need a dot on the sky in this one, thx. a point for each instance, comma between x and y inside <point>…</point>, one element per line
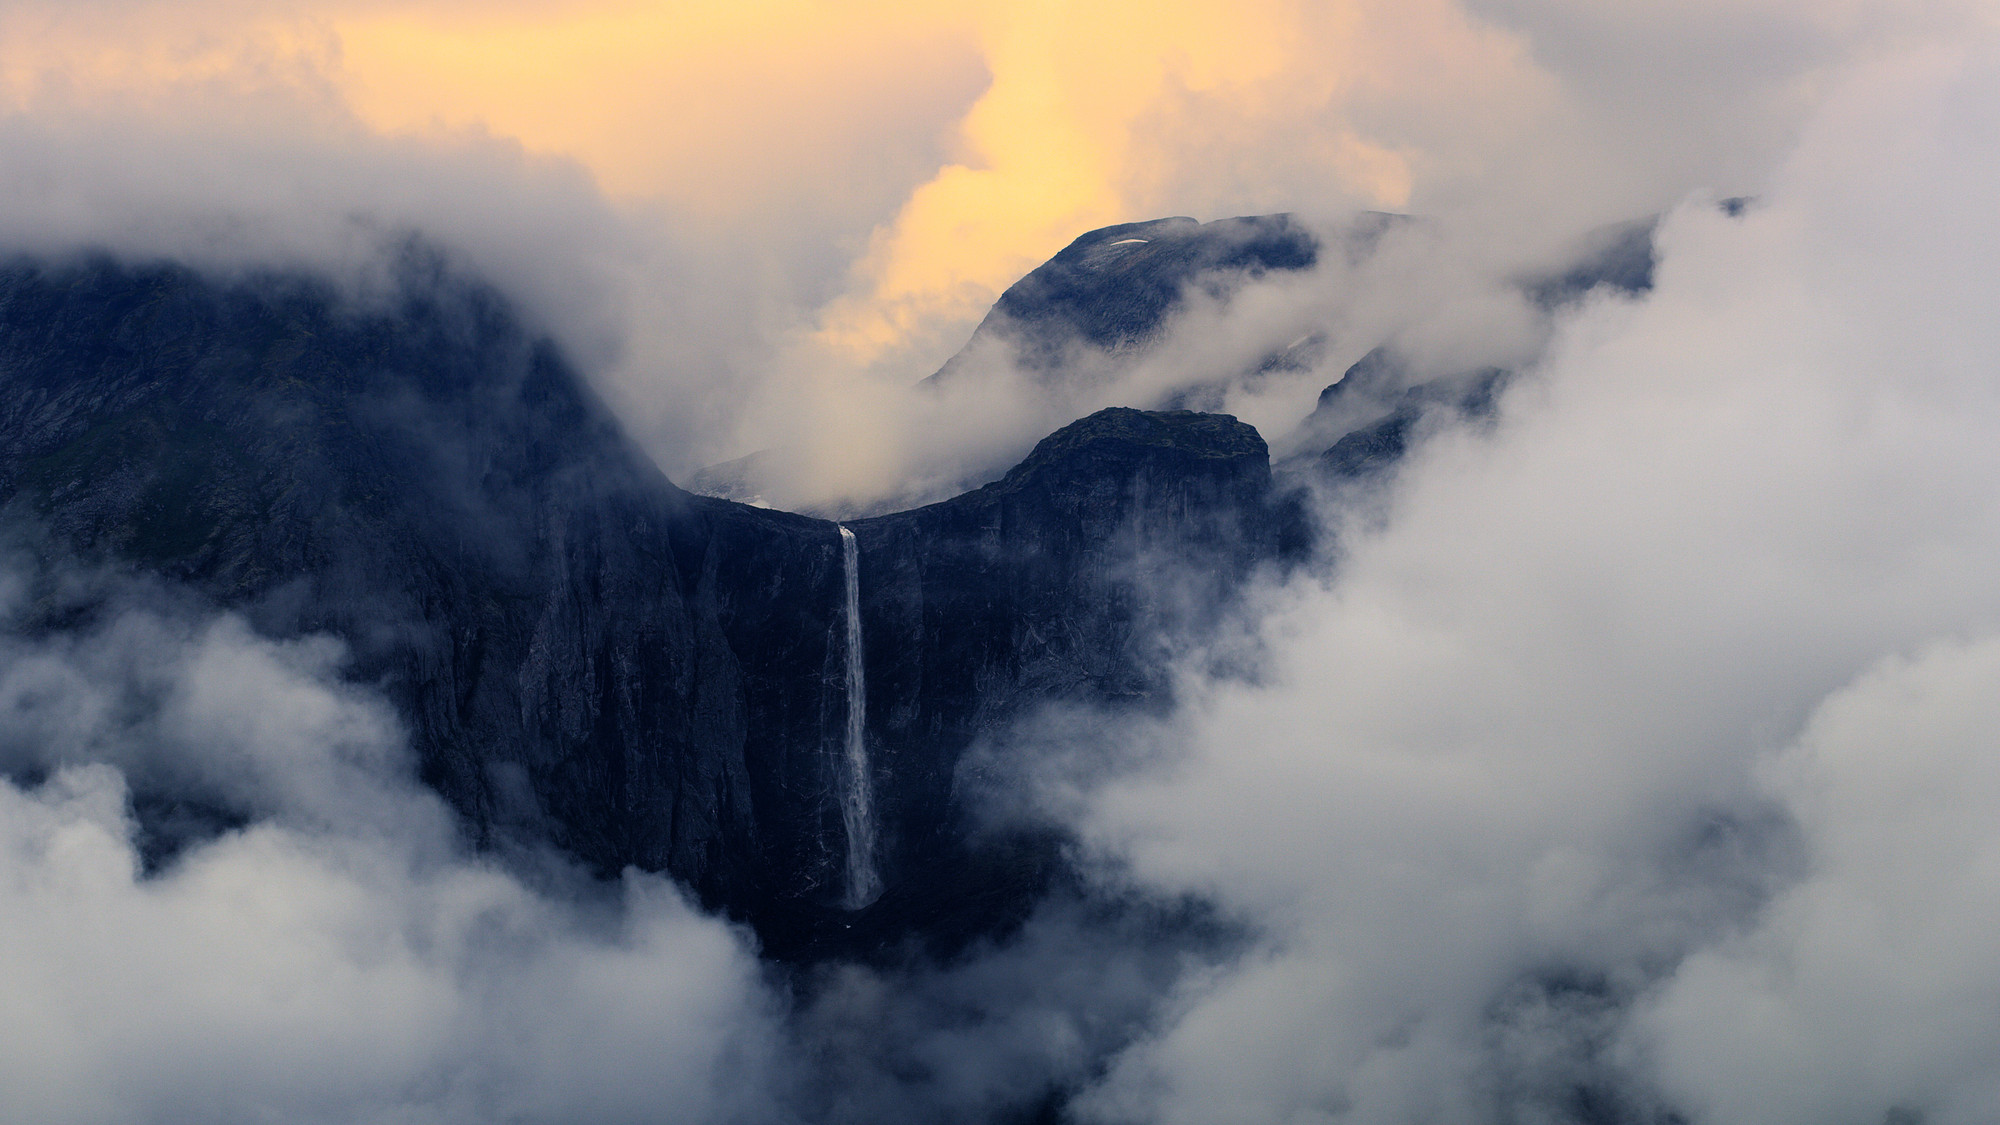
<point>1636,748</point>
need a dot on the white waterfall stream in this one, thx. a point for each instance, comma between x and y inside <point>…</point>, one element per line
<point>857,813</point>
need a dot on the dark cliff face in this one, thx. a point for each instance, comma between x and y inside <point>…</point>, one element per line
<point>1062,582</point>
<point>585,655</point>
<point>1065,581</point>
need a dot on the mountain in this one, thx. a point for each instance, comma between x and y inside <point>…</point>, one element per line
<point>585,655</point>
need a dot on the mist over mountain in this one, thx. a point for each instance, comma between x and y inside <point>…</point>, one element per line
<point>1499,630</point>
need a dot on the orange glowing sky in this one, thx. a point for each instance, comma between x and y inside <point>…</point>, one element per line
<point>710,103</point>
<point>986,132</point>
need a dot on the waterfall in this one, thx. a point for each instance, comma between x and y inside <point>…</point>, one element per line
<point>857,812</point>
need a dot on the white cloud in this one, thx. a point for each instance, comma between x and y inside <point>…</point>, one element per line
<point>1500,777</point>
<point>1516,736</point>
<point>1868,987</point>
<point>341,957</point>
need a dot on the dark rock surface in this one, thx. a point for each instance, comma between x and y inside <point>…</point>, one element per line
<point>584,654</point>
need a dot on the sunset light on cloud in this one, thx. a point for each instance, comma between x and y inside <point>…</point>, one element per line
<point>1041,109</point>
<point>875,173</point>
<point>978,137</point>
<point>703,103</point>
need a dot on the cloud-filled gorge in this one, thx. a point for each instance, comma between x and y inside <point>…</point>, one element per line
<point>1625,753</point>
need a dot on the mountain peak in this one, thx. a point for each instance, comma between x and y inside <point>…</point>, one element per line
<point>1115,287</point>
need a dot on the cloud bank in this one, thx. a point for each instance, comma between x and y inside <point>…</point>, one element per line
<point>1524,792</point>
